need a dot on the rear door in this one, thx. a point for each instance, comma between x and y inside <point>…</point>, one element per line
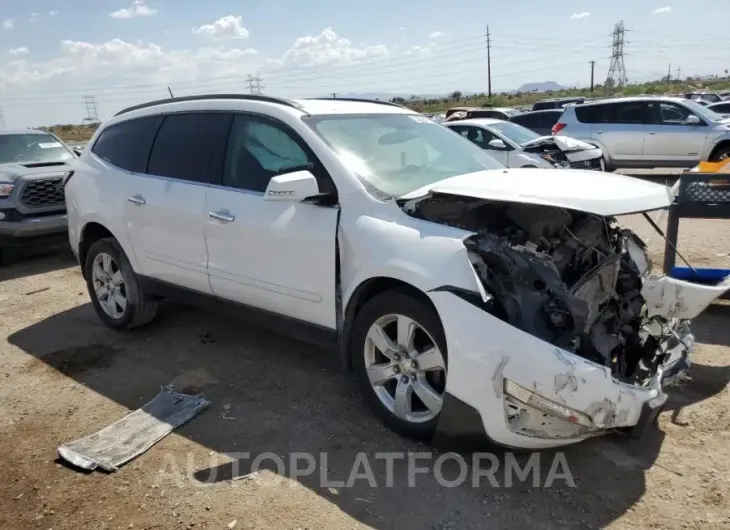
<point>165,210</point>
<point>620,128</point>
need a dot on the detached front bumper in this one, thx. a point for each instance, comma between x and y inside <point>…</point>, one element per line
<point>520,392</point>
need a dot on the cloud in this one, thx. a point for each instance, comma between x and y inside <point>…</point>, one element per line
<point>117,62</point>
<point>437,34</point>
<point>22,50</point>
<point>8,23</point>
<point>137,9</point>
<point>53,13</point>
<point>228,27</point>
<point>403,31</point>
<point>328,48</point>
<point>34,17</point>
<point>578,16</point>
<point>665,9</point>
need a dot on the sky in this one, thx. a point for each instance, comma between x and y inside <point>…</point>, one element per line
<point>124,52</point>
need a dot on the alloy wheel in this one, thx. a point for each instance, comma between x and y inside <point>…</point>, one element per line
<point>109,286</point>
<point>406,368</point>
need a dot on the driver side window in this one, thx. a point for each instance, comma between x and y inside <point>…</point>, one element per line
<point>259,150</point>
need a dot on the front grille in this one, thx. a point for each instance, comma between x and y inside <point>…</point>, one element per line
<point>587,164</point>
<point>41,193</point>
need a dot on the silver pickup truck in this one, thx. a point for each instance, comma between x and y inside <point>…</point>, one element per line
<point>32,204</point>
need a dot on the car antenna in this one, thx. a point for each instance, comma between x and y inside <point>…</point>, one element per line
<point>170,91</point>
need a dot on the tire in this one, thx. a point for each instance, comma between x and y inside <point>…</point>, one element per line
<point>422,381</point>
<point>720,154</point>
<point>139,309</point>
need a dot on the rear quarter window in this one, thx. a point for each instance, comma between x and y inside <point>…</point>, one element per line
<point>127,144</point>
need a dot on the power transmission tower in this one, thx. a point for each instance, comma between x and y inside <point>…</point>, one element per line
<point>489,63</point>
<point>593,70</point>
<point>255,86</point>
<point>90,110</point>
<point>616,77</point>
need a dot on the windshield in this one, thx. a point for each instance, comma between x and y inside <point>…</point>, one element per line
<point>516,133</point>
<point>702,111</point>
<point>399,153</point>
<point>33,147</point>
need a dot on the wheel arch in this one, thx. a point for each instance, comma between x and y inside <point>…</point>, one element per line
<point>365,291</point>
<point>722,144</point>
<point>90,233</point>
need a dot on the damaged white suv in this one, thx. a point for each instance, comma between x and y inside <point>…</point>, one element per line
<point>468,299</point>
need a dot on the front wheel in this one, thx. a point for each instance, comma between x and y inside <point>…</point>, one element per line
<point>398,351</point>
<point>117,297</point>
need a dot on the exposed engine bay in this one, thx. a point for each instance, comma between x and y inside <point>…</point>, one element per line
<point>563,151</point>
<point>570,278</point>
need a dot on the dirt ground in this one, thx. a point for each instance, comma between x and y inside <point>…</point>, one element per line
<point>63,375</point>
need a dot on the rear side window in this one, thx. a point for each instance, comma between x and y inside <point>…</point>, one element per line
<point>544,105</point>
<point>127,145</point>
<point>722,107</point>
<point>595,113</point>
<point>527,120</point>
<point>191,146</point>
<point>548,119</point>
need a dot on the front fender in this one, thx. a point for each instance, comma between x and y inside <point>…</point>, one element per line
<point>422,254</point>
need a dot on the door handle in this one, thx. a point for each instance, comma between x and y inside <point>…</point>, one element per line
<point>137,199</point>
<point>599,132</point>
<point>222,216</point>
<point>651,133</point>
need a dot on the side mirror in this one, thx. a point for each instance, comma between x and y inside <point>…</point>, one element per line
<point>497,144</point>
<point>292,187</point>
<point>77,151</point>
<point>692,120</point>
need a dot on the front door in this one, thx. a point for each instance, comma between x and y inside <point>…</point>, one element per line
<point>277,256</point>
<point>670,140</point>
<point>165,208</point>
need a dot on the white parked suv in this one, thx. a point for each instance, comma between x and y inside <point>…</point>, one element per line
<point>468,299</point>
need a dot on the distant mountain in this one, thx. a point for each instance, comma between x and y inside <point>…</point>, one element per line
<point>545,86</point>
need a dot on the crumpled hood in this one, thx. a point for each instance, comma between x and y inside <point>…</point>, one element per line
<point>564,143</point>
<point>12,172</point>
<point>593,192</point>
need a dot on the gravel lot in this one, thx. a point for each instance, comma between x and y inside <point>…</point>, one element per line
<point>64,376</point>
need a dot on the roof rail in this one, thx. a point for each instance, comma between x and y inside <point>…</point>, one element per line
<point>203,97</point>
<point>363,100</point>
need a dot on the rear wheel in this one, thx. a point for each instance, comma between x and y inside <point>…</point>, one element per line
<point>115,292</point>
<point>398,352</point>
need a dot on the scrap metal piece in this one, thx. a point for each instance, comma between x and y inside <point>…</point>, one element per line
<point>126,439</point>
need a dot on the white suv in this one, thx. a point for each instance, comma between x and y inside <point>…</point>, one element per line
<point>468,299</point>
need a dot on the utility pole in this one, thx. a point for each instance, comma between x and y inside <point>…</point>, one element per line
<point>593,69</point>
<point>679,79</point>
<point>334,96</point>
<point>669,73</point>
<point>489,63</point>
<point>2,119</point>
